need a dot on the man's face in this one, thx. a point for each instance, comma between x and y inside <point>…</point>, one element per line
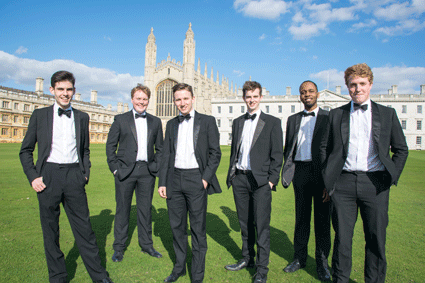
<point>252,99</point>
<point>140,101</point>
<point>359,89</point>
<point>184,101</point>
<point>309,95</point>
<point>63,92</point>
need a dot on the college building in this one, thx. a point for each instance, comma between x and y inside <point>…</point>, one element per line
<point>214,96</point>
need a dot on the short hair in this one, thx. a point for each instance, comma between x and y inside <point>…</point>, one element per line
<point>308,81</point>
<point>359,70</point>
<point>143,88</point>
<point>61,76</point>
<point>182,86</point>
<point>251,85</point>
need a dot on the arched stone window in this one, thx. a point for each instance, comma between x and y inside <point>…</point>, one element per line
<point>164,99</point>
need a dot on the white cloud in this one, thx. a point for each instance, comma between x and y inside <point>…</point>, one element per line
<point>400,11</point>
<point>401,28</point>
<point>408,79</point>
<point>262,9</point>
<point>315,57</point>
<point>262,37</point>
<point>110,85</point>
<point>303,49</point>
<point>363,25</point>
<point>21,50</point>
<point>278,30</point>
<point>306,31</point>
<point>107,38</point>
<point>238,73</point>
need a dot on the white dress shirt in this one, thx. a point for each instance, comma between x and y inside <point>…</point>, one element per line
<point>305,136</point>
<point>142,137</point>
<point>64,144</point>
<point>244,161</point>
<point>362,151</point>
<point>185,153</point>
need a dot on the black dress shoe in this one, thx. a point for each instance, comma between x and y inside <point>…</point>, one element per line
<point>117,256</point>
<point>293,266</point>
<point>240,265</point>
<point>106,280</point>
<point>173,277</point>
<point>324,274</point>
<point>260,278</point>
<point>152,252</point>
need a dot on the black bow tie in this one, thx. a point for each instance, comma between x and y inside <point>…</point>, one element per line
<point>182,118</point>
<point>138,115</point>
<point>305,114</point>
<point>66,112</point>
<point>358,106</point>
<point>248,116</point>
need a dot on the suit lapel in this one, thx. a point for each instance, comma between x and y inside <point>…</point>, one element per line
<point>317,126</point>
<point>132,124</point>
<point>175,132</point>
<point>376,123</point>
<point>196,127</point>
<point>295,135</point>
<point>345,127</point>
<point>258,129</point>
<point>149,122</point>
<point>239,134</point>
<point>49,120</point>
<point>77,128</point>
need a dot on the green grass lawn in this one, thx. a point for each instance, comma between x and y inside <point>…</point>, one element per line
<point>21,245</point>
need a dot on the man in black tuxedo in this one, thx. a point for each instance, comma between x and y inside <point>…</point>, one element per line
<point>134,165</point>
<point>189,162</point>
<point>255,162</point>
<point>359,171</point>
<point>304,132</point>
<point>60,175</point>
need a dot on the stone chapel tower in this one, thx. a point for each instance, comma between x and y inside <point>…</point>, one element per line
<point>150,63</point>
<point>189,57</point>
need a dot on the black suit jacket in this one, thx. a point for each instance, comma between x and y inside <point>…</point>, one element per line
<point>292,130</point>
<point>123,135</point>
<point>206,143</point>
<point>387,135</point>
<point>266,153</point>
<point>40,129</point>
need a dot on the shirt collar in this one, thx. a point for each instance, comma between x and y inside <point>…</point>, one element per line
<point>56,107</point>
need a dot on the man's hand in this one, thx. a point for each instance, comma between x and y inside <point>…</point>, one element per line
<point>325,196</point>
<point>205,183</point>
<point>162,192</point>
<point>271,185</point>
<point>38,185</point>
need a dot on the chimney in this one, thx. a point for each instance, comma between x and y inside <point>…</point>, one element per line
<point>39,85</point>
<point>119,107</point>
<point>288,90</point>
<point>338,89</point>
<point>423,89</point>
<point>93,97</point>
<point>394,87</point>
<point>109,107</point>
<point>77,96</point>
<point>125,107</point>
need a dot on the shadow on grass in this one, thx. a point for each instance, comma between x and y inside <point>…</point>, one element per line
<point>102,227</point>
<point>162,229</point>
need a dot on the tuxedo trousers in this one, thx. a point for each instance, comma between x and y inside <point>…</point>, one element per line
<point>189,196</point>
<point>369,193</point>
<point>308,186</point>
<point>253,206</point>
<point>65,184</point>
<point>142,183</point>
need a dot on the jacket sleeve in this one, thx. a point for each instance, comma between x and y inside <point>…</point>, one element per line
<point>27,149</point>
<point>214,152</point>
<point>112,144</point>
<point>276,152</point>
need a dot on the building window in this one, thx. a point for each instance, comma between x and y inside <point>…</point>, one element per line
<point>5,118</point>
<point>4,131</point>
<point>219,109</point>
<point>15,119</point>
<point>26,107</point>
<point>419,109</point>
<point>279,109</point>
<point>404,109</point>
<point>230,136</point>
<point>230,109</point>
<point>242,109</point>
<point>267,109</point>
<point>26,120</point>
<point>35,107</point>
<point>15,132</point>
<point>418,140</point>
<point>93,116</point>
<point>164,100</point>
<point>230,122</point>
<point>419,125</point>
<point>5,104</point>
<point>16,106</point>
<point>292,108</point>
<point>24,132</point>
<point>403,124</point>
<point>218,123</point>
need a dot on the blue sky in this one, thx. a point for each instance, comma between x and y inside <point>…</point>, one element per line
<point>278,43</point>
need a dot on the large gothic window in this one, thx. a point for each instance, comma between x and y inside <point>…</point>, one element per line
<point>164,99</point>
